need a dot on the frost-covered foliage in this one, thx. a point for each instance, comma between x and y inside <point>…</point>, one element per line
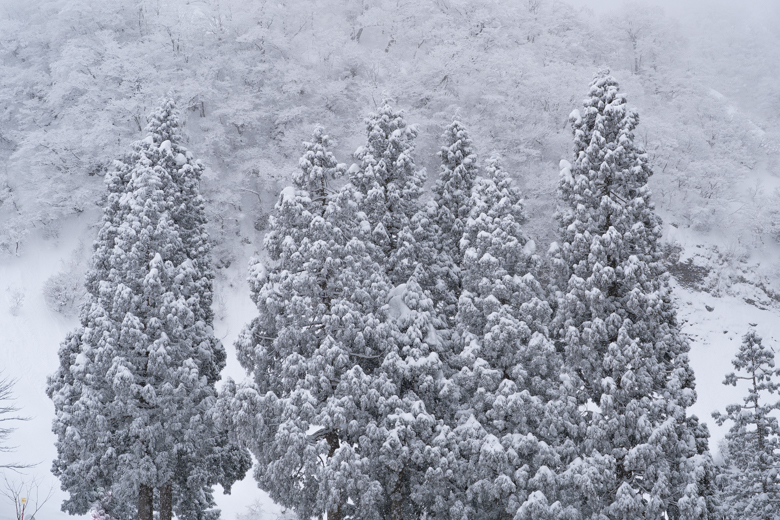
<point>348,384</point>
<point>448,214</point>
<point>511,435</point>
<point>616,322</point>
<point>509,68</point>
<point>64,290</point>
<point>135,387</point>
<point>750,484</point>
<point>258,511</point>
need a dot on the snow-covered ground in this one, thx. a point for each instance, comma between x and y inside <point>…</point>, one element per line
<point>715,337</point>
<point>30,336</point>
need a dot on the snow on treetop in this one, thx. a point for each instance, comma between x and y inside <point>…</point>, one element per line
<point>81,361</point>
<point>565,167</point>
<point>491,444</point>
<point>287,194</point>
<point>398,307</point>
<point>257,270</point>
<point>471,424</point>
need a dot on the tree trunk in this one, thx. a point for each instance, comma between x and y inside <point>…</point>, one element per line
<point>397,499</point>
<point>145,498</point>
<point>333,441</point>
<point>166,502</point>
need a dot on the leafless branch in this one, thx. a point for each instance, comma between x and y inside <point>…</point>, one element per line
<point>26,496</point>
<point>253,191</point>
<point>7,414</point>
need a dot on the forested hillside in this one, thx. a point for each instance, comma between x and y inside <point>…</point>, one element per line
<point>253,78</point>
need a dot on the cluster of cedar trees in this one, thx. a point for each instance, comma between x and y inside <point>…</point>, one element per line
<point>413,357</point>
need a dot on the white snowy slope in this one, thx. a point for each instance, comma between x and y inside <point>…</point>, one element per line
<point>715,338</point>
<point>30,336</point>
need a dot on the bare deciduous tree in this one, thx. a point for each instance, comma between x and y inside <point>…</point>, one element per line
<point>7,415</point>
<point>26,496</point>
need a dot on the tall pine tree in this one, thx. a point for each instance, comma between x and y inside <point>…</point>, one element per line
<point>448,215</point>
<point>507,445</point>
<point>346,367</point>
<point>751,480</point>
<point>135,388</point>
<point>616,322</point>
<point>392,186</point>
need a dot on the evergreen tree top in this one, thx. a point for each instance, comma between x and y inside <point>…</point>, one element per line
<point>757,362</point>
<point>317,165</point>
<point>458,148</point>
<point>387,156</point>
<point>496,194</point>
<point>458,173</point>
<point>163,123</point>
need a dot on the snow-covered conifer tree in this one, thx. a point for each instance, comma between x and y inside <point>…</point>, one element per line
<point>346,369</point>
<point>617,323</point>
<point>504,451</point>
<point>452,191</point>
<point>451,206</point>
<point>318,335</point>
<point>750,482</point>
<point>392,186</point>
<point>317,166</point>
<point>135,387</point>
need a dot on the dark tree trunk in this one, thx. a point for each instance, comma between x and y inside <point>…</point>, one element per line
<point>145,501</point>
<point>166,502</point>
<point>397,498</point>
<point>333,441</point>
